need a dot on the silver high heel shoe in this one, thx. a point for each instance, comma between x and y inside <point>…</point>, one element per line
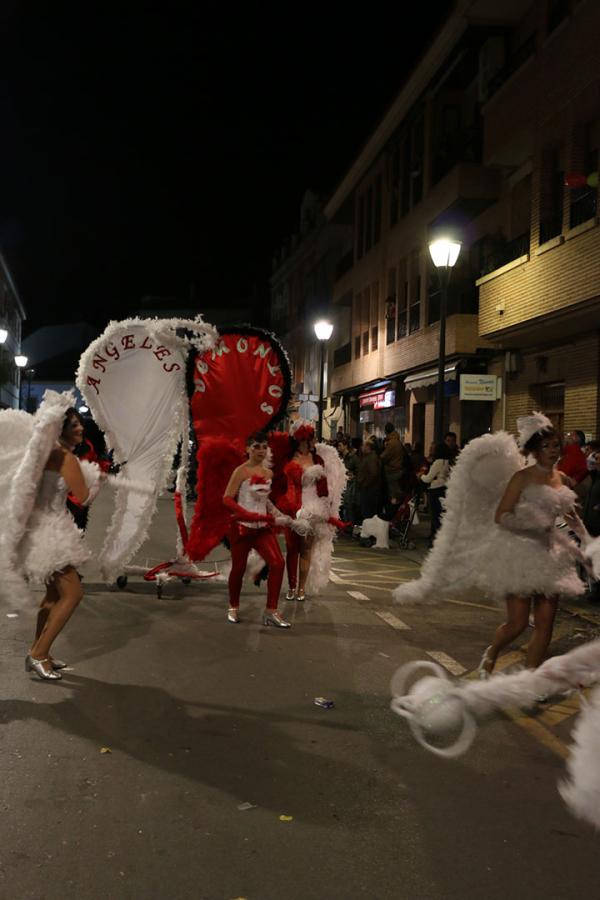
<point>37,666</point>
<point>484,673</point>
<point>291,594</point>
<point>301,596</point>
<point>233,615</point>
<point>273,617</point>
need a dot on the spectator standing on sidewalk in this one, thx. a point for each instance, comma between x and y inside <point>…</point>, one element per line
<point>394,460</point>
<point>591,505</point>
<point>573,462</point>
<point>436,480</point>
<point>349,498</point>
<point>369,480</point>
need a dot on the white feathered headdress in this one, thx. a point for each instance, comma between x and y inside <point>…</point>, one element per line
<point>527,426</point>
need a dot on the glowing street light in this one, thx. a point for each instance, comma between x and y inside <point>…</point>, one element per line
<point>444,253</point>
<point>3,335</point>
<point>20,361</point>
<point>323,331</point>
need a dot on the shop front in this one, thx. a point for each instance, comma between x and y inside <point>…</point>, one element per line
<point>379,406</point>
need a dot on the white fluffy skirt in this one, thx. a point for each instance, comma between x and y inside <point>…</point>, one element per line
<point>52,542</point>
<point>523,566</point>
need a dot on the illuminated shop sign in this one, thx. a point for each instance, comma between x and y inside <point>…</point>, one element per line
<point>378,399</point>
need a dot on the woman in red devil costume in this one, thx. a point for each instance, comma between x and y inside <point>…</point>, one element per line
<point>254,518</point>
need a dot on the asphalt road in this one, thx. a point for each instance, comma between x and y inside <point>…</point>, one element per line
<point>126,779</point>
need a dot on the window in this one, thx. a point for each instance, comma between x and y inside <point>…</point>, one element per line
<point>377,211</point>
<point>357,346</point>
<point>405,196</point>
<point>402,300</point>
<point>360,227</point>
<point>374,315</point>
<point>374,337</point>
<point>418,153</point>
<point>390,308</point>
<point>365,342</point>
<point>365,319</point>
<point>414,313</point>
<point>551,193</point>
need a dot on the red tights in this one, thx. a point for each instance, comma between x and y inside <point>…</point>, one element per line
<point>293,543</point>
<point>265,543</point>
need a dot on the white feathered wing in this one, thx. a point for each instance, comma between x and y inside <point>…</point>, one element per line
<point>324,534</point>
<point>476,484</point>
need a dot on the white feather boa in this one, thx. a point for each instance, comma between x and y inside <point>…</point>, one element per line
<point>437,706</point>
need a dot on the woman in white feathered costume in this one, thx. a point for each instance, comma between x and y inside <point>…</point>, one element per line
<point>498,535</point>
<point>315,481</point>
<point>39,541</point>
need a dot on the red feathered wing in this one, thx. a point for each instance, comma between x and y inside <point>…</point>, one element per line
<point>281,451</point>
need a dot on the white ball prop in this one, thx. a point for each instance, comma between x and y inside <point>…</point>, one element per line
<point>433,708</point>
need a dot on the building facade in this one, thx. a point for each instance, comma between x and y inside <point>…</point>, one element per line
<point>12,316</point>
<point>302,281</point>
<point>501,108</point>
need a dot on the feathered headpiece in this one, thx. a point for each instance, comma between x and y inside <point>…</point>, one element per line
<point>527,426</point>
<point>302,430</point>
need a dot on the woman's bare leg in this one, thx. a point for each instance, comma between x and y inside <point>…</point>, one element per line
<point>544,613</point>
<point>50,598</point>
<point>517,619</point>
<point>69,589</point>
<point>305,556</point>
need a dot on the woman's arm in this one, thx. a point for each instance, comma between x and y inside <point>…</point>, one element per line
<point>233,485</point>
<point>510,498</point>
<point>70,470</point>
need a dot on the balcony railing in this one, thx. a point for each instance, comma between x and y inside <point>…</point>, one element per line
<point>583,206</point>
<point>342,355</point>
<point>550,226</point>
<point>344,264</point>
<point>505,253</point>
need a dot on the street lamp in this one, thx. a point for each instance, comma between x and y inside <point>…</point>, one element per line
<point>3,335</point>
<point>323,331</point>
<point>444,253</point>
<point>20,363</point>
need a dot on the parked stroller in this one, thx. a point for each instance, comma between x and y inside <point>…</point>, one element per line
<point>403,520</point>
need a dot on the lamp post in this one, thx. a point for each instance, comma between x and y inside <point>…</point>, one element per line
<point>3,339</point>
<point>30,373</point>
<point>444,253</point>
<point>20,363</point>
<point>323,331</point>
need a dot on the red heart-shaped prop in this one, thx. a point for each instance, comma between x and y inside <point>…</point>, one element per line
<point>241,386</point>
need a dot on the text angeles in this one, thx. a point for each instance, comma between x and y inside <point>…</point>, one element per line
<point>112,353</point>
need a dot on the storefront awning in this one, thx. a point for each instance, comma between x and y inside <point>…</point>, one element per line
<point>429,376</point>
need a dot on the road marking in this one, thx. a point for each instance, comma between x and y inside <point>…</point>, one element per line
<point>558,712</point>
<point>357,595</point>
<point>477,605</point>
<point>393,621</point>
<point>447,662</point>
<point>335,578</point>
<point>538,731</point>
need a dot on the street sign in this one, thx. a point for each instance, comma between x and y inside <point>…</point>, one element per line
<point>309,410</point>
<point>480,387</point>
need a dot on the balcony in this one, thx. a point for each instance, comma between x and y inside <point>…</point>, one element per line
<point>342,356</point>
<point>550,226</point>
<point>504,253</point>
<point>512,64</point>
<point>583,206</point>
<point>344,264</point>
<point>463,298</point>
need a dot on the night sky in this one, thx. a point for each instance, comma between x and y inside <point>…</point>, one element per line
<point>146,148</point>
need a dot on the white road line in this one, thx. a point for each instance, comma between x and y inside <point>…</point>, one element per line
<point>336,578</point>
<point>447,662</point>
<point>393,621</point>
<point>357,595</point>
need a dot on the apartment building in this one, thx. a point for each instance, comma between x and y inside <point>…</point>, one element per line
<point>303,276</point>
<point>476,143</point>
<point>540,304</point>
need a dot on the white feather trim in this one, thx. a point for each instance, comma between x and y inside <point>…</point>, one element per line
<point>477,481</point>
<point>581,791</point>
<point>40,434</point>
